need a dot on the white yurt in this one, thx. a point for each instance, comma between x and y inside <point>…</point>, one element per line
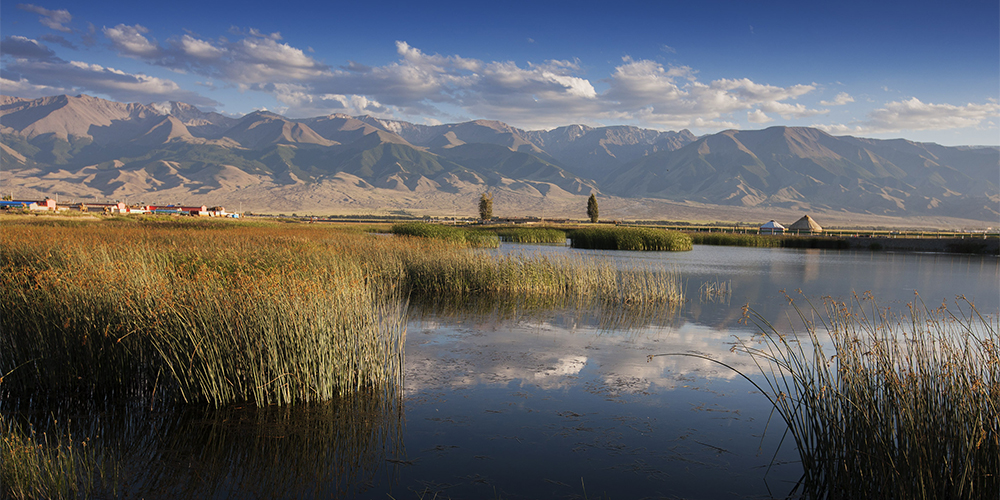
<point>805,225</point>
<point>772,228</point>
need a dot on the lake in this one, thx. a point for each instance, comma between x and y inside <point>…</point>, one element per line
<point>529,402</point>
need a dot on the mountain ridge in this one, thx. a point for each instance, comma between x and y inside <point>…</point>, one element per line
<point>52,142</point>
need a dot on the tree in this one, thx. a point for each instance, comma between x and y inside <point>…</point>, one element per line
<point>486,206</point>
<point>592,208</point>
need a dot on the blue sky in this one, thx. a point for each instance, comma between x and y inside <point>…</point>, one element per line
<point>925,71</point>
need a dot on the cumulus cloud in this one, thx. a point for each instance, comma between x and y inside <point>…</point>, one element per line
<point>25,89</point>
<point>648,91</point>
<point>255,59</point>
<point>788,111</point>
<point>912,114</point>
<point>840,100</point>
<point>758,116</point>
<point>52,19</point>
<point>130,41</point>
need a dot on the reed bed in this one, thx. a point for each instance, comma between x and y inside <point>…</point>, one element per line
<point>629,238</point>
<point>545,235</point>
<point>196,316</point>
<point>907,406</point>
<point>767,241</point>
<point>263,315</point>
<point>454,234</point>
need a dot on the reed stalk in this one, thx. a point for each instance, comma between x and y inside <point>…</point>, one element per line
<point>907,406</point>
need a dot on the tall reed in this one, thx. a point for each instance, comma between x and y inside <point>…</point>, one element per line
<point>531,235</point>
<point>133,312</point>
<point>767,241</point>
<point>453,234</point>
<point>266,315</point>
<point>629,238</point>
<point>908,405</point>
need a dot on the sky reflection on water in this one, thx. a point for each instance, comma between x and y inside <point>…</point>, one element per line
<point>540,400</point>
<point>538,407</point>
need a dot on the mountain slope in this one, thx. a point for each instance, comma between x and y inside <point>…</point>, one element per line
<point>92,147</point>
<point>807,168</point>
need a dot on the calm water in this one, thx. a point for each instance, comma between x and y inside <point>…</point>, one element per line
<point>521,403</point>
<point>545,407</point>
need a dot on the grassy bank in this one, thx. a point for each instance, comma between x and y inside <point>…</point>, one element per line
<point>629,238</point>
<point>906,406</point>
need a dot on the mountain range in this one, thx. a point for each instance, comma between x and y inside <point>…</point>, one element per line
<point>86,147</point>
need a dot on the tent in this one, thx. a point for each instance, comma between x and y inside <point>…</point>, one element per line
<point>772,228</point>
<point>805,225</point>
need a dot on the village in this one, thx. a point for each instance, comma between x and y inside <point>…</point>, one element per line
<point>116,208</point>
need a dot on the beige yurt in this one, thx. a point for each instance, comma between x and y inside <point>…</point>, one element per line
<point>772,227</point>
<point>805,225</point>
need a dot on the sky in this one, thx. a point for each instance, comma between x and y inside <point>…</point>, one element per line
<point>919,70</point>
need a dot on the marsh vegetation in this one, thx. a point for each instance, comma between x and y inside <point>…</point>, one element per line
<point>767,241</point>
<point>629,238</point>
<point>252,321</point>
<point>888,404</point>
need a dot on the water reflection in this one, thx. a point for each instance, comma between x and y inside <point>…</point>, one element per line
<point>331,449</point>
<point>533,397</point>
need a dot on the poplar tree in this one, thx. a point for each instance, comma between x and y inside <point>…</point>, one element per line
<point>592,208</point>
<point>486,206</point>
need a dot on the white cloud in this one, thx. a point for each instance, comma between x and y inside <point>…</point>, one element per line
<point>24,88</point>
<point>751,91</point>
<point>198,49</point>
<point>52,19</point>
<point>646,91</point>
<point>788,111</point>
<point>420,85</point>
<point>912,114</point>
<point>130,41</point>
<point>840,100</point>
<point>758,116</point>
<point>76,76</point>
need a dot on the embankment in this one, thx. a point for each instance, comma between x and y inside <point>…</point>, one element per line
<point>952,245</point>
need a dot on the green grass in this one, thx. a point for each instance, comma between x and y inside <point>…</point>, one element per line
<point>629,238</point>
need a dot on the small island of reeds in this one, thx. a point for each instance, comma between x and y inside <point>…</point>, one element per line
<point>629,238</point>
